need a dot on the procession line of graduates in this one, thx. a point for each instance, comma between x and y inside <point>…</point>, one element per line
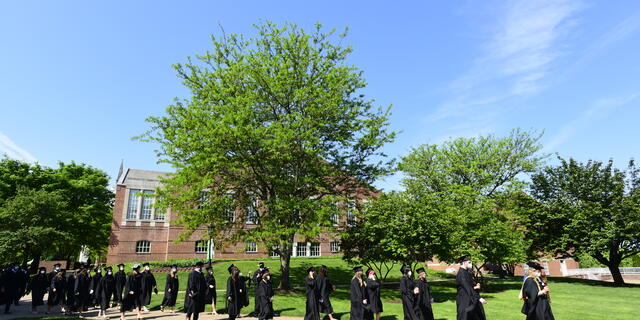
<point>79,290</point>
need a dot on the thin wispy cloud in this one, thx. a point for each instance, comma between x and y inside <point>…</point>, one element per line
<point>8,147</point>
<point>596,111</point>
<point>518,57</point>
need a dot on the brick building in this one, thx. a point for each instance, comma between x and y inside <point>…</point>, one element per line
<point>140,232</point>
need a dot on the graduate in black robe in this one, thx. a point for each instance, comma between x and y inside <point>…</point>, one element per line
<point>6,289</point>
<point>256,278</point>
<point>22,281</point>
<point>325,288</point>
<point>53,273</point>
<point>93,286</point>
<point>131,293</point>
<point>373,295</point>
<point>171,288</point>
<point>57,290</point>
<point>38,287</point>
<point>408,293</point>
<point>120,280</point>
<point>234,295</point>
<point>424,299</point>
<point>211,295</point>
<point>265,295</point>
<point>359,301</point>
<point>148,286</point>
<point>195,293</point>
<point>313,296</point>
<point>81,290</point>
<point>70,301</point>
<point>104,291</point>
<point>468,300</point>
<point>242,285</point>
<point>535,294</point>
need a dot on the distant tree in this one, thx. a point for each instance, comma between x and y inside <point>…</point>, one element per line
<point>52,212</point>
<point>590,208</point>
<point>275,131</point>
<point>464,181</point>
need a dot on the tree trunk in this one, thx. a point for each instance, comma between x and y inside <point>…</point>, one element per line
<point>35,264</point>
<point>285,262</point>
<point>618,280</point>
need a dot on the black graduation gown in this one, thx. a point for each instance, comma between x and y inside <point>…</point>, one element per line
<point>120,280</point>
<point>196,290</point>
<point>313,310</point>
<point>423,303</point>
<point>467,298</point>
<point>70,292</point>
<point>211,294</point>
<point>264,293</point>
<point>22,283</point>
<point>104,291</point>
<point>535,307</point>
<point>171,288</point>
<point>5,296</point>
<point>81,290</point>
<point>244,294</point>
<point>56,297</point>
<point>256,279</point>
<point>148,284</point>
<point>233,290</point>
<point>38,287</point>
<point>324,288</point>
<point>95,281</point>
<point>373,296</point>
<point>408,298</point>
<point>358,293</point>
<point>131,300</point>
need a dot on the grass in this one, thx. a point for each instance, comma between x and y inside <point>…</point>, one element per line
<point>572,299</point>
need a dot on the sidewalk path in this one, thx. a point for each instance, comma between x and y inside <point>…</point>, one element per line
<point>24,311</point>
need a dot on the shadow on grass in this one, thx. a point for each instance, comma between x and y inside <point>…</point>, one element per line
<point>591,282</point>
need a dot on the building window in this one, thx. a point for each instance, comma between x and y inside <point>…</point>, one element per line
<point>314,250</point>
<point>159,212</point>
<point>251,247</point>
<point>252,213</point>
<point>203,200</point>
<point>147,205</point>
<point>201,246</point>
<point>335,218</point>
<point>335,247</point>
<point>132,208</point>
<point>273,252</point>
<point>143,246</point>
<point>301,250</point>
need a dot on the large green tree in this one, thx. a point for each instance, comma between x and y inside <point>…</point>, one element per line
<point>590,208</point>
<point>465,182</point>
<point>276,129</point>
<point>52,212</point>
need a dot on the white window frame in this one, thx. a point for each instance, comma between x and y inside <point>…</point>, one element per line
<point>133,204</point>
<point>146,205</point>
<point>252,212</point>
<point>157,211</point>
<point>143,247</point>
<point>335,246</point>
<point>201,246</point>
<point>313,246</point>
<point>251,247</point>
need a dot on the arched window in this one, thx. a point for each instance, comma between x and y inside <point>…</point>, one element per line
<point>143,246</point>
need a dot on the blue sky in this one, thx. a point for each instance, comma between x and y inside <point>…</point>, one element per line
<point>78,78</point>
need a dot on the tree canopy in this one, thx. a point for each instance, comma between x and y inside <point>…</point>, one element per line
<point>52,212</point>
<point>276,131</point>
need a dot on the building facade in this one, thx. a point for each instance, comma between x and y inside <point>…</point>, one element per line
<point>140,232</point>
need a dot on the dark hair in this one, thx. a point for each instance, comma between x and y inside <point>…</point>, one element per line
<point>235,273</point>
<point>323,270</point>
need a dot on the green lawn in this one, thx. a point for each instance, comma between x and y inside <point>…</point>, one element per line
<point>572,299</point>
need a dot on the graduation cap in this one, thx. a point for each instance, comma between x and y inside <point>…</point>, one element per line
<point>42,268</point>
<point>56,265</point>
<point>208,268</point>
<point>199,264</point>
<point>121,265</point>
<point>404,268</point>
<point>463,259</point>
<point>420,270</point>
<point>357,269</point>
<point>136,267</point>
<point>265,270</point>
<point>310,269</point>
<point>146,264</point>
<point>174,266</point>
<point>534,265</point>
<point>261,264</point>
<point>370,271</point>
<point>107,269</point>
<point>230,268</point>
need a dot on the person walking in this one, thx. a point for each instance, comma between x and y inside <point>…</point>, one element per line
<point>408,293</point>
<point>468,300</point>
<point>171,288</point>
<point>131,294</point>
<point>211,295</point>
<point>195,293</point>
<point>359,301</point>
<point>535,294</point>
<point>57,288</point>
<point>325,288</point>
<point>265,295</point>
<point>104,291</point>
<point>373,295</point>
<point>424,299</point>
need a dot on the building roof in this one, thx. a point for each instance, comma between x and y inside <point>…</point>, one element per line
<point>142,178</point>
